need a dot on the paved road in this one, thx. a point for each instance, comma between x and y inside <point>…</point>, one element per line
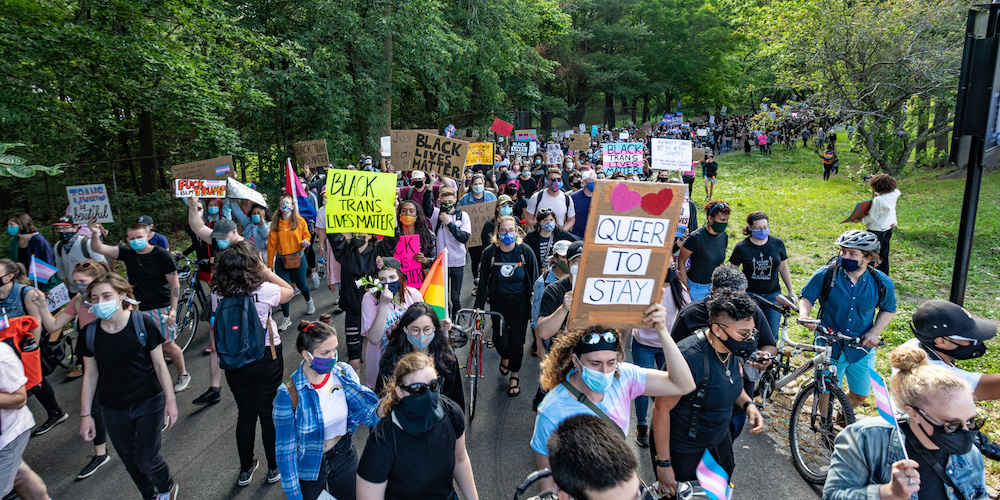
<point>201,449</point>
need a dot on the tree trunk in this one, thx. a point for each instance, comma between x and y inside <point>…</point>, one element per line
<point>941,109</point>
<point>147,150</point>
<point>645,108</point>
<point>609,110</point>
<point>387,61</point>
<point>921,126</point>
<point>126,152</point>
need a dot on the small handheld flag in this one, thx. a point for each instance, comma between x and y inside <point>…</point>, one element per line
<point>4,322</point>
<point>713,478</point>
<point>435,287</point>
<point>299,195</point>
<point>39,270</point>
<point>450,131</point>
<point>883,401</point>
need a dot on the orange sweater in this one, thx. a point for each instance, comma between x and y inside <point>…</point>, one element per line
<point>286,240</point>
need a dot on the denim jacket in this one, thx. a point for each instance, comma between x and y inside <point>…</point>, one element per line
<point>862,462</point>
<point>299,435</point>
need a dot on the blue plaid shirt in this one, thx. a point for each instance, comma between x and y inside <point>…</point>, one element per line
<point>299,435</point>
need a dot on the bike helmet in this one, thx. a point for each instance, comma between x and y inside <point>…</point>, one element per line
<point>862,240</point>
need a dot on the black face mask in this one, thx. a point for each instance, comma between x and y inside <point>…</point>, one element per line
<point>967,351</point>
<point>359,241</point>
<point>67,237</point>
<point>418,184</point>
<point>577,184</point>
<point>418,413</point>
<point>742,349</point>
<point>511,191</point>
<point>958,443</point>
<point>671,274</point>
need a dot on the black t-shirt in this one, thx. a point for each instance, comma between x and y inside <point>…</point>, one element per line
<point>552,297</point>
<point>125,370</point>
<point>401,459</point>
<point>148,275</point>
<point>694,317</point>
<point>707,252</point>
<point>510,273</point>
<point>760,263</point>
<point>720,397</point>
<point>711,168</point>
<point>931,486</point>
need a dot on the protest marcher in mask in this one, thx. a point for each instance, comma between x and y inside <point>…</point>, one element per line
<point>381,311</point>
<point>581,203</point>
<point>706,247</point>
<point>26,242</point>
<point>452,228</point>
<point>70,250</point>
<point>554,198</point>
<point>763,258</point>
<point>545,235</point>
<point>155,238</point>
<point>289,237</point>
<point>256,226</point>
<point>411,220</point>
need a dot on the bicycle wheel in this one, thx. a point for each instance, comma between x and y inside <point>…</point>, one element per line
<point>475,365</point>
<point>811,429</point>
<point>187,323</point>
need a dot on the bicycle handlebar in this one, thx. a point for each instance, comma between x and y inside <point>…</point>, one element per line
<point>785,310</point>
<point>827,334</point>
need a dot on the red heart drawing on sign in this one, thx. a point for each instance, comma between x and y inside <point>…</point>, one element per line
<point>624,199</point>
<point>656,203</point>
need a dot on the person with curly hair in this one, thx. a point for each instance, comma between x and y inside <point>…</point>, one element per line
<point>585,373</point>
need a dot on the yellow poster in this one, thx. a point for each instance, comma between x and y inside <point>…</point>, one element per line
<point>480,153</point>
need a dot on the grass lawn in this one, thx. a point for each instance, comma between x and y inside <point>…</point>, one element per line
<point>806,212</point>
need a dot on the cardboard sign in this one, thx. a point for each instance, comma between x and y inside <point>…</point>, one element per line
<point>406,248</point>
<point>519,147</point>
<point>526,135</point>
<point>215,168</point>
<point>480,153</point>
<point>431,153</point>
<point>624,157</point>
<point>501,127</point>
<point>386,146</point>
<point>579,142</point>
<point>57,297</point>
<point>553,154</point>
<point>671,154</point>
<point>89,200</point>
<point>401,145</point>
<point>627,250</point>
<point>238,190</point>
<point>359,201</point>
<point>698,154</point>
<point>479,214</point>
<point>312,153</point>
<point>200,188</point>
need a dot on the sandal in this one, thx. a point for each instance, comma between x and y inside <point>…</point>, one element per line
<point>514,390</point>
<point>503,369</point>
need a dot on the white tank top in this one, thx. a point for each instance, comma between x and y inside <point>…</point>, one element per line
<point>333,406</point>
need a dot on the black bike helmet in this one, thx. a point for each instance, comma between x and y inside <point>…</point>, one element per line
<point>862,240</point>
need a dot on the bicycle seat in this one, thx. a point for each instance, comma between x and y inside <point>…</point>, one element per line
<point>784,301</point>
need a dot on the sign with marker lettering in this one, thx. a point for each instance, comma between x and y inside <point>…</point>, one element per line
<point>579,142</point>
<point>406,248</point>
<point>200,188</point>
<point>57,297</point>
<point>312,153</point>
<point>526,135</point>
<point>89,200</point>
<point>626,254</point>
<point>418,150</point>
<point>519,147</point>
<point>624,157</point>
<point>479,214</point>
<point>480,153</point>
<point>671,154</point>
<point>359,201</point>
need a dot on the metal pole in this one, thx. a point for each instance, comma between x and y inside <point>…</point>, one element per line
<point>963,252</point>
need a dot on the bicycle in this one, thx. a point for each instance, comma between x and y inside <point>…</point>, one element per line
<point>686,490</point>
<point>193,305</point>
<point>474,365</point>
<point>781,364</point>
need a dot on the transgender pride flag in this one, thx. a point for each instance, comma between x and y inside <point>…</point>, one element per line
<point>39,270</point>
<point>883,401</point>
<point>713,478</point>
<point>299,196</point>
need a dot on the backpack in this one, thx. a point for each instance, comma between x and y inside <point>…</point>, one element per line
<point>239,336</point>
<point>137,325</point>
<point>85,247</point>
<point>831,270</point>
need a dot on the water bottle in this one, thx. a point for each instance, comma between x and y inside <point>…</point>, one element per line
<point>320,260</point>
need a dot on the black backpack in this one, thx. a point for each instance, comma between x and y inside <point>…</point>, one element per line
<point>831,270</point>
<point>239,336</point>
<point>538,200</point>
<point>137,326</point>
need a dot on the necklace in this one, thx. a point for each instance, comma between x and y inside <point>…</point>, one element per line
<point>725,362</point>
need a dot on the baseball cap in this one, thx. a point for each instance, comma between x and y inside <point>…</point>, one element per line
<point>504,199</point>
<point>417,174</point>
<point>560,247</point>
<point>575,249</point>
<point>940,318</point>
<point>222,228</point>
<point>63,221</point>
<point>145,219</point>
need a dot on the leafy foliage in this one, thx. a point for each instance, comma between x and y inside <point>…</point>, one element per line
<point>14,166</point>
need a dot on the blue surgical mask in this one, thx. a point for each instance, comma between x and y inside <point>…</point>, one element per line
<point>590,186</point>
<point>255,218</point>
<point>849,265</point>
<point>13,230</point>
<point>104,310</point>
<point>506,210</point>
<point>477,188</point>
<point>323,365</point>
<point>508,238</point>
<point>760,234</point>
<point>223,244</point>
<point>393,287</point>
<point>213,210</point>
<point>597,381</point>
<point>138,244</point>
<point>419,342</point>
<point>549,226</point>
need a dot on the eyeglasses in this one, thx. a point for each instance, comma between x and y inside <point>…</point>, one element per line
<point>593,338</point>
<point>953,426</point>
<point>420,388</point>
<point>718,206</point>
<point>743,336</point>
<point>424,332</point>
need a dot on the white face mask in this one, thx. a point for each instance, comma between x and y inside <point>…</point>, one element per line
<point>573,270</point>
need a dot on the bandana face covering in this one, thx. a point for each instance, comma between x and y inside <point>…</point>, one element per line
<point>418,413</point>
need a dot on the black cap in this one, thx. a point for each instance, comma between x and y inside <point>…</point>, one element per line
<point>940,318</point>
<point>145,219</point>
<point>575,249</point>
<point>222,228</point>
<point>64,221</point>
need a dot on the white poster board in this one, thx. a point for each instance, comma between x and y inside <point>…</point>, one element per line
<point>89,200</point>
<point>386,146</point>
<point>671,154</point>
<point>236,189</point>
<point>57,297</point>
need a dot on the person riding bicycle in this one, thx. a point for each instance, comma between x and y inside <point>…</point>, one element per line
<point>848,301</point>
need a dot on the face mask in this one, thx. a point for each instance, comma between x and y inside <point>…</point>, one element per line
<point>511,191</point>
<point>201,214</point>
<point>359,241</point>
<point>968,351</point>
<point>555,185</point>
<point>671,274</point>
<point>255,218</point>
<point>590,186</point>
<point>477,188</point>
<point>506,210</point>
<point>719,227</point>
<point>104,310</point>
<point>548,226</point>
<point>849,265</point>
<point>508,238</point>
<point>418,413</point>
<point>137,244</point>
<point>525,174</point>
<point>577,184</point>
<point>563,266</point>
<point>213,210</point>
<point>573,270</point>
<point>419,342</point>
<point>538,162</point>
<point>760,234</point>
<point>323,365</point>
<point>67,237</point>
<point>742,349</point>
<point>286,207</point>
<point>958,443</point>
<point>13,230</point>
<point>597,381</point>
<point>569,165</point>
<point>222,244</point>
<point>407,220</point>
<point>447,206</point>
<point>418,184</point>
<point>393,287</point>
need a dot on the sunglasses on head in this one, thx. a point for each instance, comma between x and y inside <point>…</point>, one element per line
<point>953,426</point>
<point>593,338</point>
<point>717,206</point>
<point>420,387</point>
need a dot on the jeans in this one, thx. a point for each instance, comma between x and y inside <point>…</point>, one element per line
<point>254,387</point>
<point>647,357</point>
<point>455,275</point>
<point>298,276</point>
<point>516,312</point>
<point>698,290</point>
<point>135,434</point>
<point>883,252</point>
<point>773,317</point>
<point>338,473</point>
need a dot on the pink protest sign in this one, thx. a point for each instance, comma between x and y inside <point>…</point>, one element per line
<point>406,248</point>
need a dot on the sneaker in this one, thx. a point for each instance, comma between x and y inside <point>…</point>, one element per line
<point>285,323</point>
<point>209,397</point>
<point>246,477</point>
<point>642,436</point>
<point>170,495</point>
<point>314,281</point>
<point>53,421</point>
<point>296,292</point>
<point>183,382</point>
<point>208,350</point>
<point>95,463</point>
<point>273,476</point>
<point>75,373</point>
<point>310,307</point>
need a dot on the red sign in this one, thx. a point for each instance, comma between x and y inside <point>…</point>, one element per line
<point>501,127</point>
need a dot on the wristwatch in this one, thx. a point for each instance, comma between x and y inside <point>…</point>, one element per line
<point>748,403</point>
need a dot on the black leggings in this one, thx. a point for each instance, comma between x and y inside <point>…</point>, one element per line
<point>254,387</point>
<point>47,397</point>
<point>352,330</point>
<point>476,253</point>
<point>516,312</point>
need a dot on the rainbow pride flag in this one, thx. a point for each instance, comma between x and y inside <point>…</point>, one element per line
<point>435,287</point>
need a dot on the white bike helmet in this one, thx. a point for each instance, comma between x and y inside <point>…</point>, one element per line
<point>862,240</point>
